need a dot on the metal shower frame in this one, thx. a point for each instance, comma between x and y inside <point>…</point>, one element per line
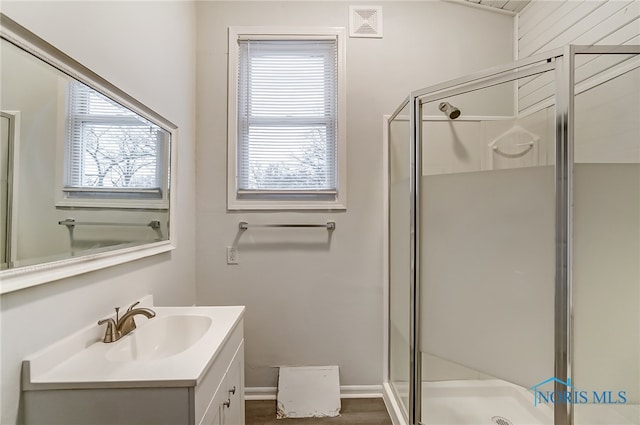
<point>562,63</point>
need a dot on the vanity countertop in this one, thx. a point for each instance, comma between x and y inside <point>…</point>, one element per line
<point>82,361</point>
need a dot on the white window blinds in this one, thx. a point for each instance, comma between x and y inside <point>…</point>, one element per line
<point>108,146</point>
<point>287,116</point>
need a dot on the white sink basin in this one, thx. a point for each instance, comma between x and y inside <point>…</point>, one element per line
<point>172,349</point>
<point>159,338</point>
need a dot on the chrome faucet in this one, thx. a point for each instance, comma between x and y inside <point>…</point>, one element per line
<point>121,326</point>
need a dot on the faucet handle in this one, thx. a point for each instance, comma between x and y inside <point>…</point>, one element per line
<point>133,305</point>
<point>111,333</point>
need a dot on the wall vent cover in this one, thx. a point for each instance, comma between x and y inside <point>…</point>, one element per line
<point>365,21</point>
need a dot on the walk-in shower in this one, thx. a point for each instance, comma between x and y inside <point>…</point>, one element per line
<point>514,244</point>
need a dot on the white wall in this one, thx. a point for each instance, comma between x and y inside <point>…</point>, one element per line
<point>162,77</point>
<point>547,25</point>
<point>310,301</point>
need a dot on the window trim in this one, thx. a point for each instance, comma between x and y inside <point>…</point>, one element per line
<point>234,202</point>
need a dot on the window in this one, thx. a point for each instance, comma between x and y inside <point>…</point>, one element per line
<point>111,152</point>
<point>286,125</point>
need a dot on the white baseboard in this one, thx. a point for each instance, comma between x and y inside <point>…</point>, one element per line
<point>346,391</point>
<point>260,393</point>
<point>361,391</point>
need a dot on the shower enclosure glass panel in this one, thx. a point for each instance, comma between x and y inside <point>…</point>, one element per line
<point>399,266</point>
<point>523,289</point>
<point>606,259</point>
<point>487,258</point>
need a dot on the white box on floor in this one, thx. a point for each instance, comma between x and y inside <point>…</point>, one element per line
<point>308,392</point>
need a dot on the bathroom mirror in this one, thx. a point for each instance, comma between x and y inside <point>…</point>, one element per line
<point>85,169</point>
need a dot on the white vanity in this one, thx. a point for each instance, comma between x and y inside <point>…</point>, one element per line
<point>184,366</point>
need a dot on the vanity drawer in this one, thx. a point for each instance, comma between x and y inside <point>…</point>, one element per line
<point>212,383</point>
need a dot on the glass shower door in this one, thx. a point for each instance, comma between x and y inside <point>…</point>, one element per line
<point>487,253</point>
<point>399,265</point>
<point>606,260</point>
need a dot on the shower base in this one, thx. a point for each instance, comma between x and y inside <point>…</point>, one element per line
<point>480,402</point>
<point>496,402</point>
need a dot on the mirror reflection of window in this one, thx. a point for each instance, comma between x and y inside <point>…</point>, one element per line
<point>86,169</point>
<point>111,152</point>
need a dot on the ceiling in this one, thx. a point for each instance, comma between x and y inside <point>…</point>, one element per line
<point>510,5</point>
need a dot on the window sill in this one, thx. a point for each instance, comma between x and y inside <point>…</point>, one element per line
<point>266,205</point>
<point>112,204</point>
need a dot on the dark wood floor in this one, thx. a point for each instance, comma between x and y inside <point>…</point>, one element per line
<point>355,411</point>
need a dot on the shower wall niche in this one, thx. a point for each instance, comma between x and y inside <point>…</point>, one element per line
<point>514,244</point>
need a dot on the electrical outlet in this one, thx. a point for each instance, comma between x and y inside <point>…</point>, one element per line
<point>232,255</point>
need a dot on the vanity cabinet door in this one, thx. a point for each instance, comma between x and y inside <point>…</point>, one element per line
<point>211,391</point>
<point>227,404</point>
<point>216,420</point>
<point>213,416</point>
<point>233,407</point>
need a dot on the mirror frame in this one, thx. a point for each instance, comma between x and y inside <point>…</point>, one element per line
<point>37,274</point>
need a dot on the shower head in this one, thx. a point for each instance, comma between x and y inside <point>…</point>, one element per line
<point>449,110</point>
